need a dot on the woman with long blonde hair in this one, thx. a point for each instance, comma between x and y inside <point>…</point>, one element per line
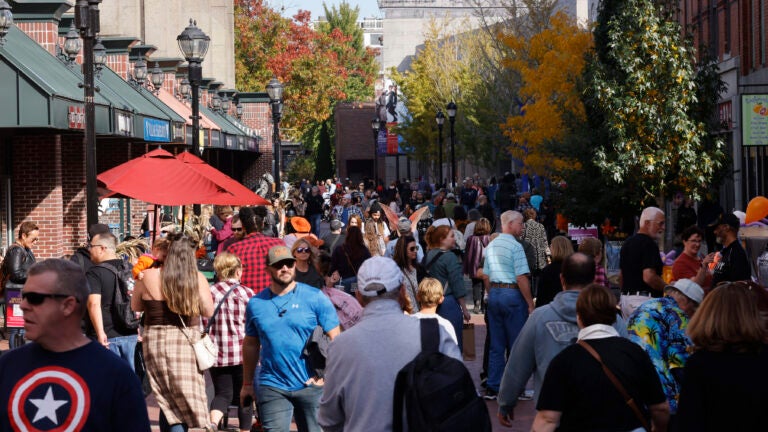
<point>173,298</point>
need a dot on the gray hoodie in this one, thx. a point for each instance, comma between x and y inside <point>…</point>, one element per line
<point>549,330</point>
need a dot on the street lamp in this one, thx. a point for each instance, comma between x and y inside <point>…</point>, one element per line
<point>451,108</point>
<point>193,44</point>
<point>184,88</point>
<point>440,119</point>
<point>275,92</point>
<point>239,110</point>
<point>226,104</point>
<point>140,71</point>
<point>99,56</point>
<point>72,44</point>
<point>158,76</point>
<point>376,125</point>
<point>6,20</point>
<point>87,21</point>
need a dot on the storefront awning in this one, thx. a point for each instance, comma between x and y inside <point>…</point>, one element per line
<point>234,136</point>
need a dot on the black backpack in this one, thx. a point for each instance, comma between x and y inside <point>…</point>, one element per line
<point>123,317</point>
<point>435,392</point>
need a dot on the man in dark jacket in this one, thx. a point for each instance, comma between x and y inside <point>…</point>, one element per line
<point>82,255</point>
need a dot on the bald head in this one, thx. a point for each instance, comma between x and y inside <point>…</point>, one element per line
<point>578,271</point>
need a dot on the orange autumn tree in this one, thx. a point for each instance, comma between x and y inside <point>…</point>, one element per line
<point>550,65</point>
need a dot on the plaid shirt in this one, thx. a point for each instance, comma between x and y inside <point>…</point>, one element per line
<point>252,251</point>
<point>228,329</point>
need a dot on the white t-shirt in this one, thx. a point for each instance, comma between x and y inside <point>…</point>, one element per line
<point>444,323</point>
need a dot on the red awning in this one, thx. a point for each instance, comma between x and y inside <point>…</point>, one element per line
<point>159,178</point>
<point>238,194</point>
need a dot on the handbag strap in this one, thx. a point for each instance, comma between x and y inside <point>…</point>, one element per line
<point>349,261</point>
<point>627,398</point>
<point>218,307</point>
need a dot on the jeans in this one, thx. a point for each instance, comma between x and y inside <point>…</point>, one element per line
<point>227,382</point>
<point>16,337</point>
<point>125,348</point>
<point>165,427</point>
<point>314,221</point>
<point>507,312</point>
<point>450,310</point>
<point>276,407</point>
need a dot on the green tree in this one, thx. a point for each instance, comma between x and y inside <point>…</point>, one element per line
<point>647,103</point>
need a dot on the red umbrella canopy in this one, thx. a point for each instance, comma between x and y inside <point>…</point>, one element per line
<point>237,193</point>
<point>159,178</point>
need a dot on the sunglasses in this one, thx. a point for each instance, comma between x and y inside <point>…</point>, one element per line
<point>413,249</point>
<point>237,229</point>
<point>281,264</point>
<point>36,299</point>
<point>90,246</point>
<point>302,250</point>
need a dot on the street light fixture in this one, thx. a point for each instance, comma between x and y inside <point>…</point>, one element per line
<point>99,56</point>
<point>140,71</point>
<point>87,21</point>
<point>275,92</point>
<point>72,44</point>
<point>451,108</point>
<point>184,91</point>
<point>376,125</point>
<point>215,102</point>
<point>239,110</point>
<point>226,104</point>
<point>193,44</point>
<point>440,119</point>
<point>158,76</point>
<point>6,20</point>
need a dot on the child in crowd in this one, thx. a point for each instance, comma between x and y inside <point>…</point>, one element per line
<point>153,259</point>
<point>430,296</point>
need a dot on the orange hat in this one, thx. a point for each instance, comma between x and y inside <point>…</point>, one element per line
<point>300,224</point>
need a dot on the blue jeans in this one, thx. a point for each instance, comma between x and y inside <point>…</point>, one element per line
<point>347,282</point>
<point>507,312</point>
<point>276,407</point>
<point>125,348</point>
<point>314,221</point>
<point>450,310</point>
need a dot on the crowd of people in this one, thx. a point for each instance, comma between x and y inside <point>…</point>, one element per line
<point>619,354</point>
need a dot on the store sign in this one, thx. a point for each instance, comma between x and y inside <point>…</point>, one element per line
<point>157,130</point>
<point>76,117</point>
<point>754,119</point>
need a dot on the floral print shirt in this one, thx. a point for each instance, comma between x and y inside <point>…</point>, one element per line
<point>658,326</point>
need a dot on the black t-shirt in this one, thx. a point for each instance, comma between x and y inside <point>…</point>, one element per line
<point>549,283</point>
<point>638,253</point>
<point>576,385</point>
<point>733,265</point>
<point>725,391</point>
<point>310,277</point>
<point>102,281</point>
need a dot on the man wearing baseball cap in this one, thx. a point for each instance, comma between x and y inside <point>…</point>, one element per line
<point>278,323</point>
<point>733,264</point>
<point>658,326</point>
<point>404,229</point>
<point>363,361</point>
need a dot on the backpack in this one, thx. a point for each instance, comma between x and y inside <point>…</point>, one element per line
<point>123,317</point>
<point>435,392</point>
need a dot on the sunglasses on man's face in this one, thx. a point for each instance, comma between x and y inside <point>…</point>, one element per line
<point>413,249</point>
<point>237,229</point>
<point>281,264</point>
<point>36,299</point>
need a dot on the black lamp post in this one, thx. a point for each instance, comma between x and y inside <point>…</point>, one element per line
<point>6,20</point>
<point>87,21</point>
<point>451,108</point>
<point>275,92</point>
<point>193,44</point>
<point>376,124</point>
<point>440,119</point>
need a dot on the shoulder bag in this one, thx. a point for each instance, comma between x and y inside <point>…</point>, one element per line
<point>627,398</point>
<point>206,351</point>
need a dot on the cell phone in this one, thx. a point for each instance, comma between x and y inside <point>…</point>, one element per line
<point>247,401</point>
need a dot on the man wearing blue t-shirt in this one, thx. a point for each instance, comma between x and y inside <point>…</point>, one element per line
<point>278,323</point>
<point>64,380</point>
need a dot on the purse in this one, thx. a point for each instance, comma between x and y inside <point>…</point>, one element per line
<point>206,351</point>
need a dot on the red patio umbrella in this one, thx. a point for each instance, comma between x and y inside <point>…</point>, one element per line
<point>238,194</point>
<point>159,178</point>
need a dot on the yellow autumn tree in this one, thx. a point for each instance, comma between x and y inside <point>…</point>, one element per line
<point>550,64</point>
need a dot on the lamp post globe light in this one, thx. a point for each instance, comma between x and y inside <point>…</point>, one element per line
<point>99,56</point>
<point>6,20</point>
<point>87,21</point>
<point>72,44</point>
<point>440,119</point>
<point>140,71</point>
<point>451,108</point>
<point>158,76</point>
<point>275,92</point>
<point>193,44</point>
<point>376,125</point>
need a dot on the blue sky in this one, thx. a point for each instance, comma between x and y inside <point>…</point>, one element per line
<point>367,7</point>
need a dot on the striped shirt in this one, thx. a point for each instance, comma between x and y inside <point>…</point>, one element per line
<point>505,260</point>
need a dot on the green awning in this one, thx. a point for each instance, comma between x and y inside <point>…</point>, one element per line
<point>40,91</point>
<point>234,135</point>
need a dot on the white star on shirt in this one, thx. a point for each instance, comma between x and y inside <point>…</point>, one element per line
<point>47,407</point>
